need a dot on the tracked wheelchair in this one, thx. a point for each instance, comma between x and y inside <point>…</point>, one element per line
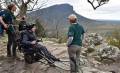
<point>38,53</point>
<point>34,54</point>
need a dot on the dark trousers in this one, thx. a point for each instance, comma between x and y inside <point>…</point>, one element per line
<point>11,45</point>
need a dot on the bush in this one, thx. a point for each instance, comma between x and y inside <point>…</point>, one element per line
<point>40,32</point>
<point>114,39</point>
<point>62,39</point>
<point>90,50</point>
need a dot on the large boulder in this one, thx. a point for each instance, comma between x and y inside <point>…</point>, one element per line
<point>108,51</point>
<point>94,45</point>
<point>93,39</point>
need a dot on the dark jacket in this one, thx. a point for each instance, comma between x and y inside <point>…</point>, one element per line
<point>27,37</point>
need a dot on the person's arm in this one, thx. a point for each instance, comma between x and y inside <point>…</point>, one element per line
<point>70,36</point>
<point>82,37</point>
<point>69,41</point>
<point>2,22</point>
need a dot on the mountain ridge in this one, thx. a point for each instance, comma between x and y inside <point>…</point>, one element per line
<point>56,17</point>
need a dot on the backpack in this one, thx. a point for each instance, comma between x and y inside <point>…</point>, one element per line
<point>1,26</point>
<point>1,29</point>
<point>3,15</point>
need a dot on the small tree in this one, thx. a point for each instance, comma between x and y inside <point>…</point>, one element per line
<point>40,32</point>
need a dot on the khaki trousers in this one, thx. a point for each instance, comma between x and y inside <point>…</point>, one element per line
<point>74,56</point>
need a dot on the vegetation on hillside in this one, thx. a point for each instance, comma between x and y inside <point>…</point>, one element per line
<point>114,38</point>
<point>40,32</point>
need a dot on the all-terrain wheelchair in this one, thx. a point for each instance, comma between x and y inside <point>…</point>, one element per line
<point>34,54</point>
<point>39,55</point>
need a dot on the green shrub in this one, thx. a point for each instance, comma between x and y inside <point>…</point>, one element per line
<point>62,39</point>
<point>40,32</point>
<point>90,50</point>
<point>114,39</point>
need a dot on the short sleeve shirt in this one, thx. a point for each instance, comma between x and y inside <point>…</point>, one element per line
<point>76,31</point>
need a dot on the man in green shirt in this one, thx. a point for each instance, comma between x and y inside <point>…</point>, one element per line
<point>75,37</point>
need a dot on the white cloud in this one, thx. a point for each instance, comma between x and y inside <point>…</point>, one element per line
<point>110,11</point>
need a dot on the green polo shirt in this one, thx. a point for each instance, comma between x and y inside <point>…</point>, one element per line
<point>76,31</point>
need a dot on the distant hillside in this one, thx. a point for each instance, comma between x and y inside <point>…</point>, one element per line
<point>57,15</point>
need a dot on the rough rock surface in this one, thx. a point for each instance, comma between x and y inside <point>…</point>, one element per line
<point>95,43</point>
<point>88,64</point>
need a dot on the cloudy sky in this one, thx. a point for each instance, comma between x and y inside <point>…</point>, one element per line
<point>110,11</point>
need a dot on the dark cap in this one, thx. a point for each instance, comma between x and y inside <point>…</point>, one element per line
<point>30,26</point>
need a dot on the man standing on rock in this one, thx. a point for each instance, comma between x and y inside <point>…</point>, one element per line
<point>74,43</point>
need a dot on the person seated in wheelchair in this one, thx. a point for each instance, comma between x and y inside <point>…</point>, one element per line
<point>30,45</point>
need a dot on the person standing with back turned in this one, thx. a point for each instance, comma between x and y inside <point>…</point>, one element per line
<point>6,19</point>
<point>74,43</point>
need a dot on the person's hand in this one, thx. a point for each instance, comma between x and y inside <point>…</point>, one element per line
<point>68,45</point>
<point>33,42</point>
<point>5,26</point>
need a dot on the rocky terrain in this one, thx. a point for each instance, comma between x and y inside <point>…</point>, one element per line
<point>96,57</point>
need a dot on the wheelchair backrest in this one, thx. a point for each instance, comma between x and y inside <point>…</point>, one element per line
<point>21,36</point>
